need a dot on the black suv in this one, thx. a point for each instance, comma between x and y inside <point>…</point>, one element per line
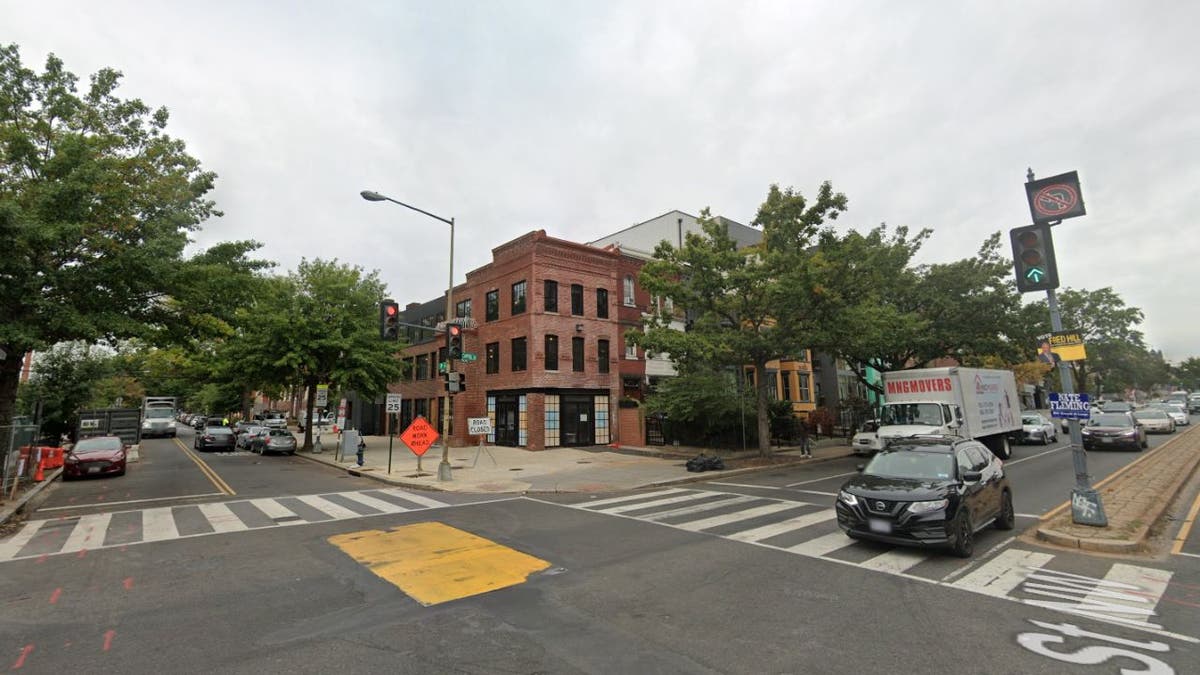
<point>927,491</point>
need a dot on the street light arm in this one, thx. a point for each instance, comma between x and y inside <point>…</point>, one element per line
<point>372,196</point>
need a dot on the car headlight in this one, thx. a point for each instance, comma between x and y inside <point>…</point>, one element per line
<point>71,459</point>
<point>929,506</point>
<point>1085,431</point>
<point>1131,432</point>
<point>847,498</point>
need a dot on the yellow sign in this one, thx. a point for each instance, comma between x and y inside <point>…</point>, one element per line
<point>1064,345</point>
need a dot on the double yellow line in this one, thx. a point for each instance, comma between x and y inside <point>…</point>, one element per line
<point>206,469</point>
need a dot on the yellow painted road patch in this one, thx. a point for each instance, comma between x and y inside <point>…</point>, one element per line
<point>435,563</point>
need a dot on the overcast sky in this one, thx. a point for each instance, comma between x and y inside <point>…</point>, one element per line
<point>582,118</point>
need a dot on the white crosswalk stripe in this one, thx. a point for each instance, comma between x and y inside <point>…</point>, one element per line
<point>714,521</point>
<point>699,508</point>
<point>783,527</point>
<point>164,523</point>
<point>815,548</point>
<point>1000,575</point>
<point>629,498</point>
<point>625,508</point>
<point>895,561</point>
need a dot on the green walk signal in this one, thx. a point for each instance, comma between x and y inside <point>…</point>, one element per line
<point>441,366</point>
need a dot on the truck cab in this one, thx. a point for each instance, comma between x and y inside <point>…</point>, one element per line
<point>919,418</point>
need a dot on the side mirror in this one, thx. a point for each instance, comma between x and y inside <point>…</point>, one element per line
<point>860,467</point>
<point>972,476</point>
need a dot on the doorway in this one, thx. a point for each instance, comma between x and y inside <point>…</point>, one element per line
<point>508,426</point>
<point>578,420</point>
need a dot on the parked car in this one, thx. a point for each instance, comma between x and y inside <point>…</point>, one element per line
<point>274,440</point>
<point>927,491</point>
<point>1194,403</point>
<point>273,419</point>
<point>1155,421</point>
<point>1178,413</point>
<point>215,438</point>
<point>98,456</point>
<point>1037,429</point>
<point>866,441</point>
<point>1114,430</point>
<point>323,420</point>
<point>1117,407</point>
<point>248,431</point>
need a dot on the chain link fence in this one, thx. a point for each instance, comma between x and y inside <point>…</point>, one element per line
<point>12,473</point>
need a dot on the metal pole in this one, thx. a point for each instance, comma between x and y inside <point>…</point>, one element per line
<point>391,439</point>
<point>444,466</point>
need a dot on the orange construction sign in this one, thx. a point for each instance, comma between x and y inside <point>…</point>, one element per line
<point>419,436</point>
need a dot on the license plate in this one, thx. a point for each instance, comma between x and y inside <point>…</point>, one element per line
<point>881,526</point>
<point>1107,440</point>
<point>93,469</point>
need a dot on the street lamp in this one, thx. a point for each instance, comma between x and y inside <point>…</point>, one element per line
<point>372,196</point>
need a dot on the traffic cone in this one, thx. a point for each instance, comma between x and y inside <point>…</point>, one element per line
<point>38,476</point>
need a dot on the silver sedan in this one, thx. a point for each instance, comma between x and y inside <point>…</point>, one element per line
<point>1155,421</point>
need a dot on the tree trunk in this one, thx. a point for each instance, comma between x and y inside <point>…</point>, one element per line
<point>10,376</point>
<point>764,409</point>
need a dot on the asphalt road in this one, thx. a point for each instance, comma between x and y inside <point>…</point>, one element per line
<point>621,585</point>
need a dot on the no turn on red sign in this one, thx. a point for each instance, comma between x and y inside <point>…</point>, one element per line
<point>419,436</point>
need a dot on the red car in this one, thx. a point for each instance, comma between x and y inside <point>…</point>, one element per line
<point>100,456</point>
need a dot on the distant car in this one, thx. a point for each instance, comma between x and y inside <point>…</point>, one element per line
<point>1155,421</point>
<point>248,431</point>
<point>215,438</point>
<point>274,440</point>
<point>927,491</point>
<point>1037,429</point>
<point>1117,407</point>
<point>866,441</point>
<point>273,419</point>
<point>1114,430</point>
<point>99,456</point>
<point>1194,403</point>
<point>1178,413</point>
<point>322,420</point>
<point>199,422</point>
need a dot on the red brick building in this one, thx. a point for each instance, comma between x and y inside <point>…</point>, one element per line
<point>547,337</point>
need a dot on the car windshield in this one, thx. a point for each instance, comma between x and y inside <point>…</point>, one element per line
<point>1109,420</point>
<point>1151,414</point>
<point>90,444</point>
<point>911,464</point>
<point>280,432</point>
<point>929,414</point>
<point>1031,419</point>
<point>159,413</point>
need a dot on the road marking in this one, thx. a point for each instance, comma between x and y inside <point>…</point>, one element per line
<point>132,501</point>
<point>1151,582</point>
<point>323,505</point>
<point>1000,575</point>
<point>817,492</point>
<point>714,521</point>
<point>895,561</point>
<point>1186,528</point>
<point>419,499</point>
<point>815,548</point>
<point>818,480</point>
<point>206,469</point>
<point>791,524</point>
<point>1040,454</point>
<point>435,563</point>
<point>368,500</point>
<point>629,498</point>
<point>87,533</point>
<point>747,485</point>
<point>221,518</point>
<point>276,511</point>
<point>698,508</point>
<point>158,524</point>
<point>623,508</point>
<point>11,547</point>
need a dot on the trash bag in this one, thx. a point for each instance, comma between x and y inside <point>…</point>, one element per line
<point>702,463</point>
<point>716,464</point>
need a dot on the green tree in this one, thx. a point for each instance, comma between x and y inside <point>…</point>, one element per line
<point>1188,373</point>
<point>96,203</point>
<point>737,296</point>
<point>65,379</point>
<point>318,325</point>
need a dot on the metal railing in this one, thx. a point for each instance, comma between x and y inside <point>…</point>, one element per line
<point>12,439</point>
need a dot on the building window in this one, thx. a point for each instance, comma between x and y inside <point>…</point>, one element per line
<point>576,300</point>
<point>422,366</point>
<point>551,352</point>
<point>630,350</point>
<point>492,301</point>
<point>772,386</point>
<point>749,372</point>
<point>577,354</point>
<point>602,355</point>
<point>441,358</point>
<point>629,290</point>
<point>550,292</point>
<point>493,357</point>
<point>552,420</point>
<point>518,354</point>
<point>805,396</point>
<point>787,385</point>
<point>518,298</point>
<point>462,309</point>
<point>601,303</point>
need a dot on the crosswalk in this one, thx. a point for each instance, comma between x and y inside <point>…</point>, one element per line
<point>58,536</point>
<point>1121,593</point>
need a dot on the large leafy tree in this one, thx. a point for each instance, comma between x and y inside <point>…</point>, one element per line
<point>317,325</point>
<point>1188,373</point>
<point>96,203</point>
<point>735,296</point>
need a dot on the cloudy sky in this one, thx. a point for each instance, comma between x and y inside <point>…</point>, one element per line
<point>581,118</point>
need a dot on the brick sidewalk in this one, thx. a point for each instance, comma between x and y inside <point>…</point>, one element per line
<point>1134,498</point>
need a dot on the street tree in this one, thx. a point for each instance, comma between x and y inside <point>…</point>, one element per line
<point>735,297</point>
<point>1188,372</point>
<point>96,203</point>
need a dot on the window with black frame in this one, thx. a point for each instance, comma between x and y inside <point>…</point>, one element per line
<point>577,299</point>
<point>518,354</point>
<point>602,355</point>
<point>518,298</point>
<point>492,302</point>
<point>577,354</point>
<point>551,352</point>
<point>601,303</point>
<point>550,295</point>
<point>492,356</point>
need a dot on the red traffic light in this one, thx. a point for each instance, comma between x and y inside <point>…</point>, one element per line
<point>391,310</point>
<point>455,330</point>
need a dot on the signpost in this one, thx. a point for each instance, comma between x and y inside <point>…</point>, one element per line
<point>322,396</point>
<point>418,437</point>
<point>481,427</point>
<point>392,407</point>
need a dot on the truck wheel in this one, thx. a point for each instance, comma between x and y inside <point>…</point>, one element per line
<point>999,446</point>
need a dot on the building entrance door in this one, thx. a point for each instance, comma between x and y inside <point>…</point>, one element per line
<point>578,420</point>
<point>507,421</point>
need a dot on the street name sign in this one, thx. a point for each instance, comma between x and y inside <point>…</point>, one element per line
<point>468,357</point>
<point>393,403</point>
<point>1070,406</point>
<point>419,436</point>
<point>479,426</point>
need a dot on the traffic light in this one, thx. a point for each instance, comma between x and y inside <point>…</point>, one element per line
<point>1033,258</point>
<point>389,320</point>
<point>454,342</point>
<point>456,382</point>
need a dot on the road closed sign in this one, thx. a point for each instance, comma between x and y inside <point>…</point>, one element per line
<point>479,426</point>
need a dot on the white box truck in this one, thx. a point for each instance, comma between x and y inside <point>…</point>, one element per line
<point>970,402</point>
<point>158,416</point>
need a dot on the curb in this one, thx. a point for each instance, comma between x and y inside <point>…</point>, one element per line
<point>10,511</point>
<point>1136,542</point>
<point>367,473</point>
<point>707,475</point>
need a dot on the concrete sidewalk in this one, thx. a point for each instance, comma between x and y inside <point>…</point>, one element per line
<point>500,469</point>
<point>1134,499</point>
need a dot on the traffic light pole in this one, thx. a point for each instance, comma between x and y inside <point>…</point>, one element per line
<point>444,466</point>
